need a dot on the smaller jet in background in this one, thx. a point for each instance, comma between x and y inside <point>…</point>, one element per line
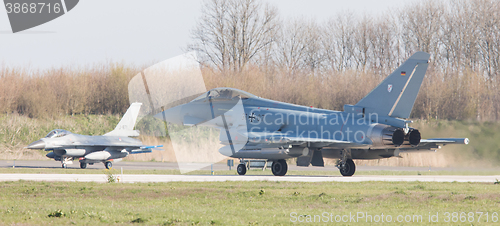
<point>112,146</point>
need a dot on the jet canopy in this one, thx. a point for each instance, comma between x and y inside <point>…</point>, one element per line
<point>224,94</point>
<point>57,133</point>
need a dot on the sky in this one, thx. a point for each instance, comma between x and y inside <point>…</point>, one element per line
<point>137,32</point>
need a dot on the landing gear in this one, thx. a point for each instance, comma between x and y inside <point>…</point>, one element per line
<point>347,168</point>
<point>279,167</point>
<point>65,161</point>
<point>83,165</point>
<point>108,165</point>
<point>346,165</point>
<point>241,169</point>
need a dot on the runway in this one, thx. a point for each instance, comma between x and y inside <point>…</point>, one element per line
<point>127,165</point>
<point>145,178</point>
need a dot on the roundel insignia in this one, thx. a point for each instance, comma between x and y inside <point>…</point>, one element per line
<point>389,88</point>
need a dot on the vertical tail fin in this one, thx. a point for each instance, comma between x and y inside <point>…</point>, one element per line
<point>126,125</point>
<point>396,95</point>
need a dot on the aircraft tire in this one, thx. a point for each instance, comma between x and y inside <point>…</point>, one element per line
<point>279,167</point>
<point>348,169</point>
<point>108,165</point>
<point>83,165</point>
<point>64,166</point>
<point>241,169</point>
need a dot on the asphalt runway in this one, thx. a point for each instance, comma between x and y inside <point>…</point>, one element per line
<point>132,178</point>
<point>126,165</point>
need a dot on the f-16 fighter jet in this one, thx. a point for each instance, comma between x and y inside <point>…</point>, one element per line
<point>256,128</point>
<point>115,145</point>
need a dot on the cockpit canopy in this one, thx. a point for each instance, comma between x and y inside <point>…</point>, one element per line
<point>57,133</point>
<point>224,94</point>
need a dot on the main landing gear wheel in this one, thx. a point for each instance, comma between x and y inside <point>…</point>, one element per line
<point>64,166</point>
<point>83,165</point>
<point>279,167</point>
<point>241,169</point>
<point>108,165</point>
<point>348,168</point>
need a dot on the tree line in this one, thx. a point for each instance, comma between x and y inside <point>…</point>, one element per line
<point>460,35</point>
<point>343,56</point>
<point>246,44</point>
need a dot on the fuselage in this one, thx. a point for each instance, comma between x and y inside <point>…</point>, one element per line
<point>67,144</point>
<point>254,127</point>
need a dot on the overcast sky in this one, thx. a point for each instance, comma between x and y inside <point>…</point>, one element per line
<point>138,32</point>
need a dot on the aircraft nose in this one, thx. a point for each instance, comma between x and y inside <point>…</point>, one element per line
<point>39,144</point>
<point>173,115</point>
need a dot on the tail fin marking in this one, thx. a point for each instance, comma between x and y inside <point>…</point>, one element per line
<point>126,125</point>
<point>396,95</point>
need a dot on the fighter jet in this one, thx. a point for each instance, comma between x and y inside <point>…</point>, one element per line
<point>113,146</point>
<point>376,127</point>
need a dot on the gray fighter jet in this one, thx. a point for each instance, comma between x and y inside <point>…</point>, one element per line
<point>112,146</point>
<point>256,128</point>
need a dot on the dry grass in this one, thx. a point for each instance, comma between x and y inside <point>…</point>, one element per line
<point>102,89</point>
<point>50,93</point>
<point>443,95</point>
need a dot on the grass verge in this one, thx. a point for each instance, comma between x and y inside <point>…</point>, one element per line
<point>240,203</point>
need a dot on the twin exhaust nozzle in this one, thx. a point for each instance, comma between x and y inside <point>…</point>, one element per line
<point>399,137</point>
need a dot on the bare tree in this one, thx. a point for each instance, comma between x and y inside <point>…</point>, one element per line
<point>487,22</point>
<point>298,48</point>
<point>231,32</point>
<point>363,35</point>
<point>338,42</point>
<point>291,45</point>
<point>421,23</point>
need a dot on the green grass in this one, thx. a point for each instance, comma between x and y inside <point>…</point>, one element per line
<point>250,172</point>
<point>235,203</point>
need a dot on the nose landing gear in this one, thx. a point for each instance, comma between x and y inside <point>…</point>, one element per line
<point>241,169</point>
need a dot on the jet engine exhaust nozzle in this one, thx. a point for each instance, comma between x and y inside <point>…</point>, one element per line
<point>398,137</point>
<point>383,135</point>
<point>414,137</point>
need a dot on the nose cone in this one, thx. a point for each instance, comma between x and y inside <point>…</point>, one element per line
<point>172,115</point>
<point>39,144</point>
<point>191,113</point>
